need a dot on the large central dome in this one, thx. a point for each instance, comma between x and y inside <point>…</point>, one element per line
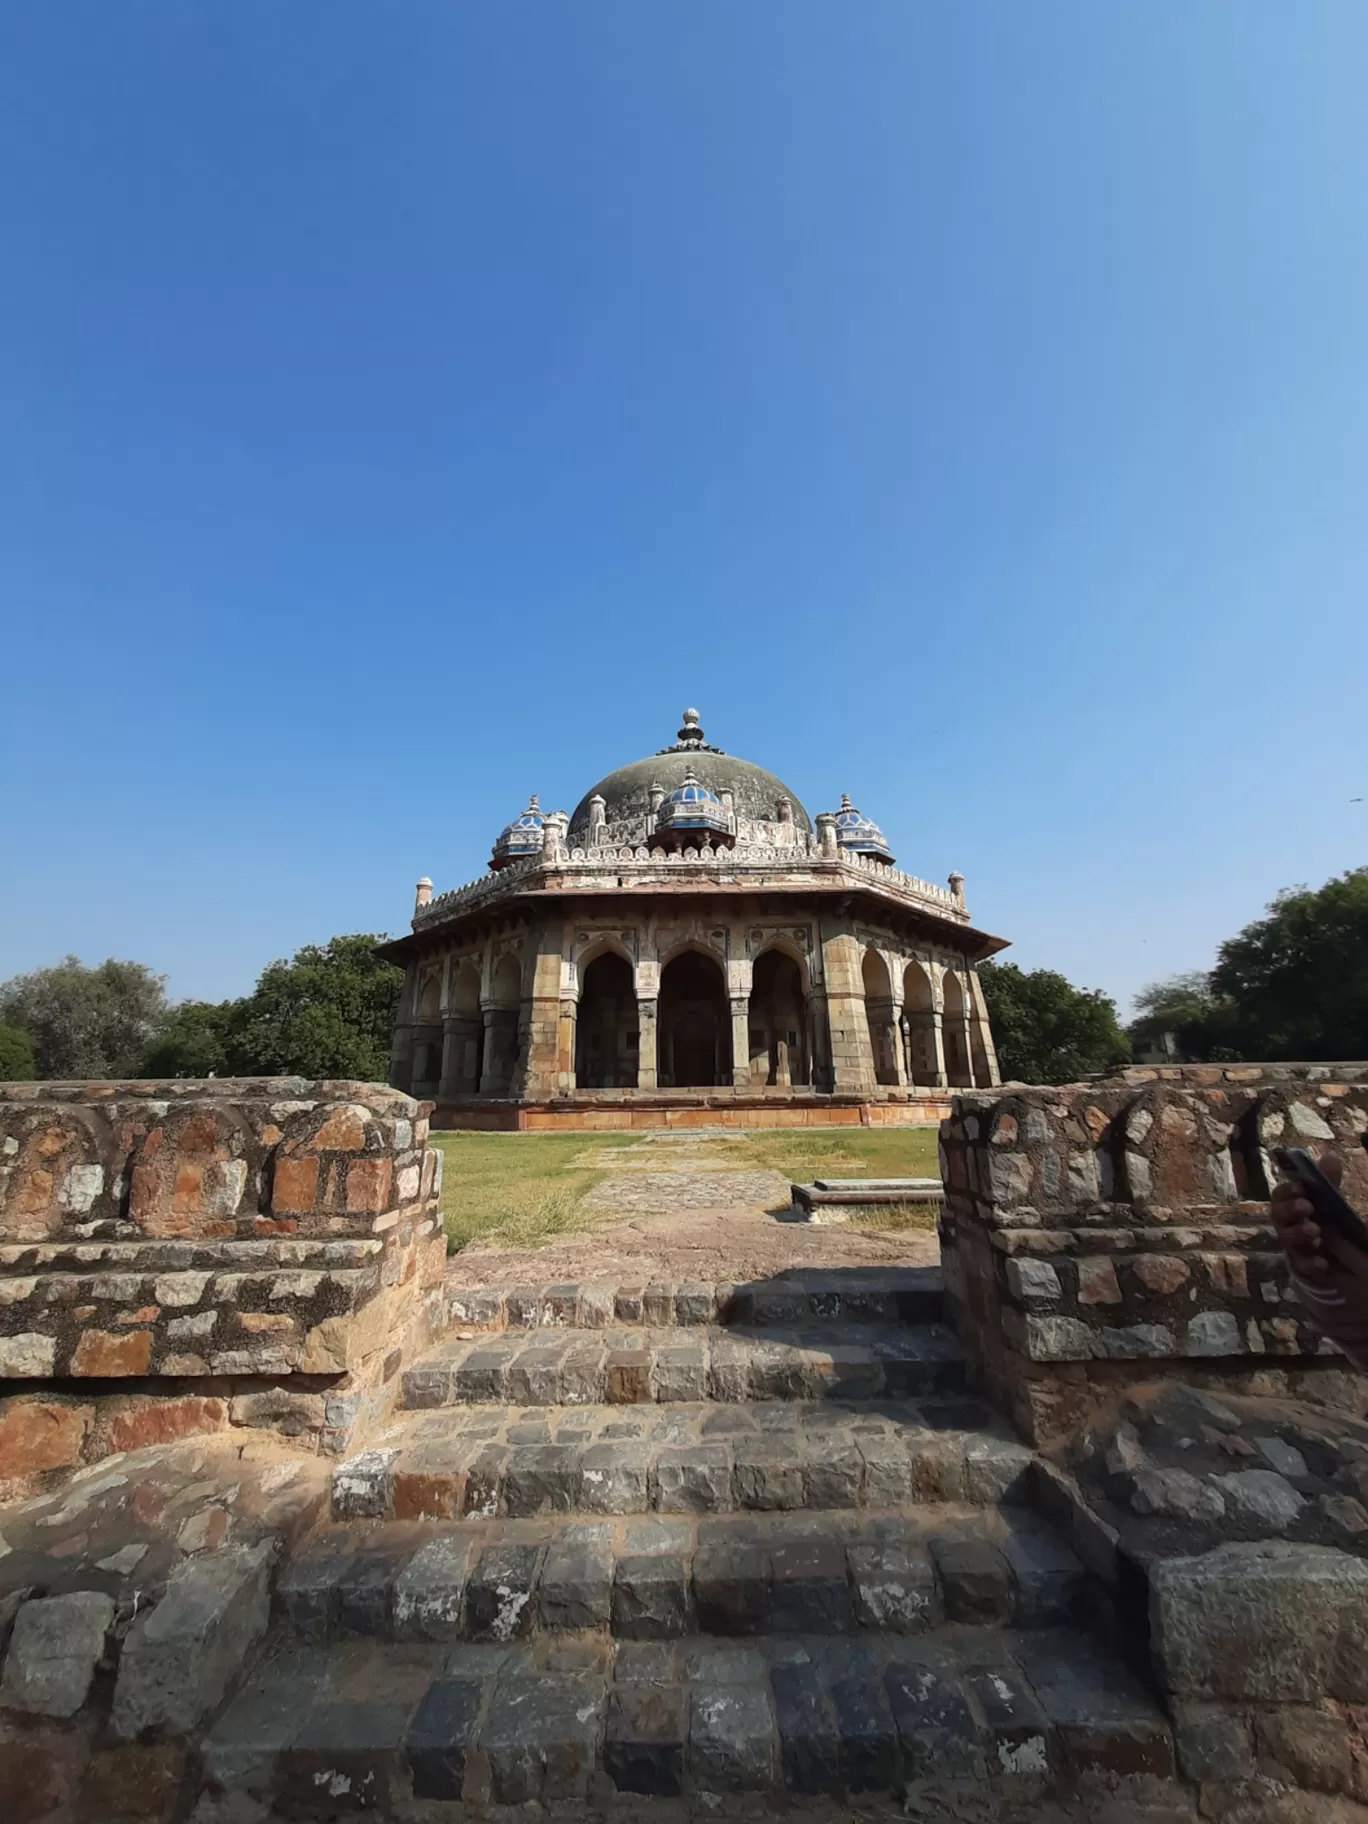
<point>626,793</point>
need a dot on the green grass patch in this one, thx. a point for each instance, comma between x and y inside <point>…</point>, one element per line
<point>803,1154</point>
<point>523,1190</point>
<point>518,1189</point>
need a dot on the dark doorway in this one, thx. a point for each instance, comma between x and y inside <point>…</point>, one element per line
<point>606,1034</point>
<point>694,1024</point>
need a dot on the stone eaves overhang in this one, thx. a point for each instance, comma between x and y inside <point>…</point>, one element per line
<point>833,888</point>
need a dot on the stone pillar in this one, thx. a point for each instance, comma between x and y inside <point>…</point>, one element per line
<point>566,1048</point>
<point>646,1043</point>
<point>500,1049</point>
<point>819,1040</point>
<point>852,1060</point>
<point>895,1033</point>
<point>928,1041</point>
<point>985,1031</point>
<point>538,1074</point>
<point>740,1022</point>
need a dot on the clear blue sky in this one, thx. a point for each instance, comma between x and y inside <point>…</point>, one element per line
<point>406,407</point>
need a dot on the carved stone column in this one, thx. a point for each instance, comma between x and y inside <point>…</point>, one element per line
<point>740,1020</point>
<point>566,1054</point>
<point>647,1010</point>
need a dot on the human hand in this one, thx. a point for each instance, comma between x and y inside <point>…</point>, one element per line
<point>1317,1255</point>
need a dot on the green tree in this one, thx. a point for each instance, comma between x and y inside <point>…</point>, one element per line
<point>1045,1029</point>
<point>193,1041</point>
<point>1298,978</point>
<point>327,1012</point>
<point>1203,1024</point>
<point>16,1055</point>
<point>86,1022</point>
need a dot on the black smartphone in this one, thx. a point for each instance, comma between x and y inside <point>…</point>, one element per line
<point>1333,1211</point>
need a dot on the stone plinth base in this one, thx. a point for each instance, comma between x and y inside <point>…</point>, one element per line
<point>618,1110</point>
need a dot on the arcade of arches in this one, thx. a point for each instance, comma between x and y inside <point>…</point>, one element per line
<point>894,1023</point>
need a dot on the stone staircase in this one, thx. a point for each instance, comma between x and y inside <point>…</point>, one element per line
<point>691,1542</point>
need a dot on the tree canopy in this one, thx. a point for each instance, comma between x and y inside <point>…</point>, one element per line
<point>16,1055</point>
<point>1299,976</point>
<point>327,1012</point>
<point>86,1022</point>
<point>1294,984</point>
<point>1045,1029</point>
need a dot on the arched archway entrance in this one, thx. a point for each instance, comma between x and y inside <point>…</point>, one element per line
<point>464,1053</point>
<point>606,1033</point>
<point>919,1017</point>
<point>502,1017</point>
<point>694,1029</point>
<point>778,1023</point>
<point>956,1033</point>
<point>878,999</point>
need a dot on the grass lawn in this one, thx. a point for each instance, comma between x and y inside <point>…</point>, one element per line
<point>525,1189</point>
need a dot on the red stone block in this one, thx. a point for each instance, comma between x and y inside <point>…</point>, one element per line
<point>155,1421</point>
<point>295,1185</point>
<point>41,1434</point>
<point>100,1353</point>
<point>368,1185</point>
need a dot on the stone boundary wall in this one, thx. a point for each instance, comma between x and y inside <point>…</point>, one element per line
<point>184,1256</point>
<point>1118,1229</point>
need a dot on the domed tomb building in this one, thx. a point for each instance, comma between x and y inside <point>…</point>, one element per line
<point>687,947</point>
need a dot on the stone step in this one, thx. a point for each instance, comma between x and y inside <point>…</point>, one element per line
<point>802,1295</point>
<point>689,1457</point>
<point>972,1718</point>
<point>658,1579</point>
<point>709,1362</point>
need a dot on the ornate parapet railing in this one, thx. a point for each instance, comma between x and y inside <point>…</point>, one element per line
<point>566,869</point>
<point>185,1255</point>
<point>1118,1230</point>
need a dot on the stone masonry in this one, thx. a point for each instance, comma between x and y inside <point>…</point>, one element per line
<point>189,1256</point>
<point>1112,1230</point>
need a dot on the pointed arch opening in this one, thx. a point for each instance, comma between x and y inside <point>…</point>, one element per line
<point>780,1045</point>
<point>919,1028</point>
<point>694,1023</point>
<point>607,1036</point>
<point>957,1066</point>
<point>878,1000</point>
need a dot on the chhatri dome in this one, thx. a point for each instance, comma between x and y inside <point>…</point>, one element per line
<point>691,945</point>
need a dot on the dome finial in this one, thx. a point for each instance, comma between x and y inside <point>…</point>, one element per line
<point>691,730</point>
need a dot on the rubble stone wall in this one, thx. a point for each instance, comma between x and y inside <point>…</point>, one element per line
<point>1119,1228</point>
<point>186,1256</point>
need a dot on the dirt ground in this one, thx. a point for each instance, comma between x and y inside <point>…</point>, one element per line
<point>731,1242</point>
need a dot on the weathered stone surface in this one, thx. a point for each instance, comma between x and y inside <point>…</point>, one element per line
<point>1261,1497</point>
<point>441,1737</point>
<point>499,1595</point>
<point>179,1658</point>
<point>1176,1493</point>
<point>893,1588</point>
<point>644,1735</point>
<point>731,1738</point>
<point>936,1728</point>
<point>576,1588</point>
<point>1263,1620</point>
<point>974,1581</point>
<point>430,1591</point>
<point>650,1597</point>
<point>1213,1743</point>
<point>809,1742</point>
<point>54,1649</point>
<point>1033,1281</point>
